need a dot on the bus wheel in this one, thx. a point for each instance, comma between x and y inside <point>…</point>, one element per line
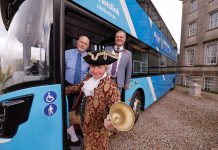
<point>135,104</point>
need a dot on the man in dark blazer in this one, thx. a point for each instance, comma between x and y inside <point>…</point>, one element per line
<point>121,70</point>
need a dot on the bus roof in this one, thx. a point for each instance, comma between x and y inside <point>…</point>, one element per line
<point>132,18</point>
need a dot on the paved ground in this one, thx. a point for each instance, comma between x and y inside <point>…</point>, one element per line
<point>177,121</point>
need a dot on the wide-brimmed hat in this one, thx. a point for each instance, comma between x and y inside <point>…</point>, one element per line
<point>101,57</point>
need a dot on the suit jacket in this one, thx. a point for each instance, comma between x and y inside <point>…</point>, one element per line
<point>124,70</point>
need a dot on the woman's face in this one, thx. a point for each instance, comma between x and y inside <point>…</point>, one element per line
<point>97,71</point>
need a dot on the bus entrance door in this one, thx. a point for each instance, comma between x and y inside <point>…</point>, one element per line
<point>32,119</point>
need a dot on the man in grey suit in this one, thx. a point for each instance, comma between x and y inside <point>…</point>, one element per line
<point>121,70</point>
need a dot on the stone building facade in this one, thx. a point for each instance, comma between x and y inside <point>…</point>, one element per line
<point>198,59</point>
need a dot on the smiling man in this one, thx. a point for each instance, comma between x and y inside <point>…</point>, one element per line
<point>121,70</point>
<point>76,69</point>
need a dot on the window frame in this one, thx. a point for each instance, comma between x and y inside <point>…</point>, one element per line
<point>211,84</point>
<point>192,28</point>
<point>187,56</point>
<point>188,80</point>
<point>212,20</point>
<point>141,66</point>
<point>216,53</point>
<point>193,6</point>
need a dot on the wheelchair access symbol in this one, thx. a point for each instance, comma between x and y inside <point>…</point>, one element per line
<point>50,97</point>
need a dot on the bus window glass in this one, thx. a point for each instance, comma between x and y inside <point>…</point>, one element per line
<point>136,66</point>
<point>25,45</point>
<point>136,56</point>
<point>153,64</point>
<point>144,63</point>
<point>140,61</point>
<point>144,67</point>
<point>162,61</point>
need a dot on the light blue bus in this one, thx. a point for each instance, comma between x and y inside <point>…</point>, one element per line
<point>34,35</point>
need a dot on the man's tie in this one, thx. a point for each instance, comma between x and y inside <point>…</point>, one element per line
<point>114,65</point>
<point>77,77</point>
<point>117,50</point>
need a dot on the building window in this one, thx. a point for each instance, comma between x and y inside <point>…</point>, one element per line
<point>188,80</point>
<point>208,83</point>
<point>190,57</point>
<point>192,28</point>
<point>194,5</point>
<point>213,18</point>
<point>211,54</point>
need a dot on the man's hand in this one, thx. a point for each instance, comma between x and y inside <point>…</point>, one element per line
<point>126,87</point>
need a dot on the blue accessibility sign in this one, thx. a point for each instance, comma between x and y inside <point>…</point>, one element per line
<point>50,109</point>
<point>50,97</point>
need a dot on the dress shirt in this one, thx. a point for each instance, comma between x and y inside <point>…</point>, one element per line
<point>118,61</point>
<point>70,62</point>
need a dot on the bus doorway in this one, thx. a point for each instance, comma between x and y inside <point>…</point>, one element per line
<point>79,23</point>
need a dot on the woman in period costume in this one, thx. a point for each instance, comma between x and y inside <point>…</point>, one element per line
<point>97,93</point>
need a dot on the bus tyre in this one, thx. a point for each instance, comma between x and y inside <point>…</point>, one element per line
<point>135,104</point>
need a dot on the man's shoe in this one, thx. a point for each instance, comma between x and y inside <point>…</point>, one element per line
<point>77,143</point>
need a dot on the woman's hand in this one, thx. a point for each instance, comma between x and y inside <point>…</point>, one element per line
<point>107,124</point>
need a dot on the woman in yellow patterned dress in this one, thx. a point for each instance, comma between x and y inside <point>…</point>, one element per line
<point>97,94</point>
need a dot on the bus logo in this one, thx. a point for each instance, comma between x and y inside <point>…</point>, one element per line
<point>50,109</point>
<point>50,97</point>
